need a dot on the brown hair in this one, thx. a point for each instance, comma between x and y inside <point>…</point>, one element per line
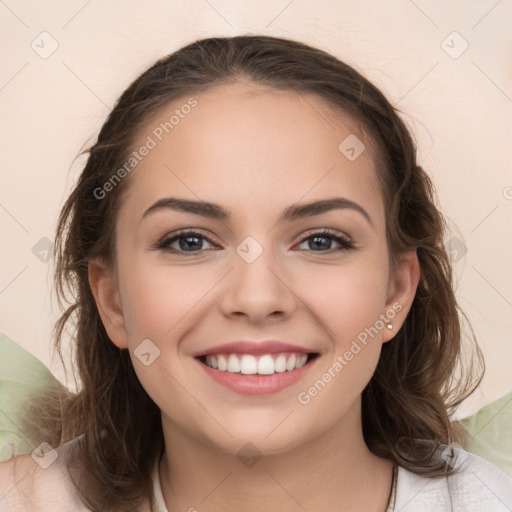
<point>413,389</point>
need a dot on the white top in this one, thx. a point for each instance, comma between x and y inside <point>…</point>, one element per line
<point>478,486</point>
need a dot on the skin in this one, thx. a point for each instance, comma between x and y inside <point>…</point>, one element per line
<point>255,151</point>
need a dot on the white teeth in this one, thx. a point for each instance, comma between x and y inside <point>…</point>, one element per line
<point>249,364</point>
<point>211,361</point>
<point>223,364</point>
<point>280,363</point>
<point>290,365</point>
<point>301,361</point>
<point>266,365</point>
<point>233,364</point>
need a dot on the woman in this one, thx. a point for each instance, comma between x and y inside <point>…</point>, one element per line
<point>265,317</point>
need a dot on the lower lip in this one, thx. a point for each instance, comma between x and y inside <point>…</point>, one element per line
<point>257,384</point>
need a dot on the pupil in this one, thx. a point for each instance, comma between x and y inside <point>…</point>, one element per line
<point>324,245</point>
<point>184,246</point>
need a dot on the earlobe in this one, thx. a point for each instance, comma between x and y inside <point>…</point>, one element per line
<point>103,283</point>
<point>401,292</point>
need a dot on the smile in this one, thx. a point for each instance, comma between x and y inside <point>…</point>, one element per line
<point>251,374</point>
<point>249,364</point>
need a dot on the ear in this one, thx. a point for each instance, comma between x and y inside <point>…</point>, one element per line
<point>402,286</point>
<point>103,282</point>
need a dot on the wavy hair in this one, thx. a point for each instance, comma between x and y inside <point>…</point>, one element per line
<point>413,391</point>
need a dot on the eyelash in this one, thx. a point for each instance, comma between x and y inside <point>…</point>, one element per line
<point>164,243</point>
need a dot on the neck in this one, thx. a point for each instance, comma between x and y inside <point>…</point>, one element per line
<point>333,471</point>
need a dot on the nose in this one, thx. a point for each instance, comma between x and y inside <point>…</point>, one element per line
<point>258,289</point>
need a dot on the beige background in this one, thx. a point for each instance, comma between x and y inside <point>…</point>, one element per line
<point>458,104</point>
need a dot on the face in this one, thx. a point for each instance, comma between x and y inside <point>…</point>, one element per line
<point>192,278</point>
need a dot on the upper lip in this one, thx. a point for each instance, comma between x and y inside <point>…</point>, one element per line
<point>253,347</point>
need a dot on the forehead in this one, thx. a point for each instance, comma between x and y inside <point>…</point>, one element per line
<point>246,142</point>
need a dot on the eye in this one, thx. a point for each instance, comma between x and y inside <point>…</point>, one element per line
<point>192,242</point>
<point>323,240</point>
<point>188,242</point>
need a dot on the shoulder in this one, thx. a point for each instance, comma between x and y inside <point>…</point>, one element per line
<point>38,483</point>
<point>43,481</point>
<point>475,485</point>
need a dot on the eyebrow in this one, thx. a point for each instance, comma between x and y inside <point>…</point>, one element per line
<point>293,212</point>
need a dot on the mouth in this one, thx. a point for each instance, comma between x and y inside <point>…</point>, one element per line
<point>251,364</point>
<point>257,374</point>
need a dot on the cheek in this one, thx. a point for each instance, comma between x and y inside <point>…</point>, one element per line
<point>156,298</point>
<point>158,305</point>
<point>349,308</point>
<point>347,300</point>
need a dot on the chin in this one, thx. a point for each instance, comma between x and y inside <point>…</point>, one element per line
<point>264,438</point>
